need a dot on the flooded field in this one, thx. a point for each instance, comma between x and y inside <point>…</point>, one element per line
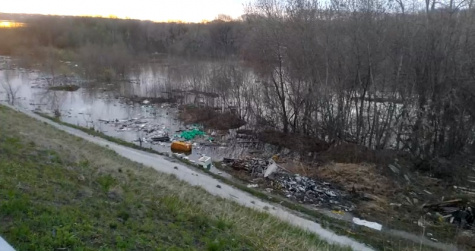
<point>125,109</point>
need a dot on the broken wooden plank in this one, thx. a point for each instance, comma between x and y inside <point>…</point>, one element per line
<point>443,203</point>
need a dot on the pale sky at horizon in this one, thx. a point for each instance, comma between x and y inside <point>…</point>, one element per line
<point>156,10</point>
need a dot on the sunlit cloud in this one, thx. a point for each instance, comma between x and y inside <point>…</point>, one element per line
<point>156,10</point>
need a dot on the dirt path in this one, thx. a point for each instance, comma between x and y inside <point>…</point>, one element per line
<point>213,186</point>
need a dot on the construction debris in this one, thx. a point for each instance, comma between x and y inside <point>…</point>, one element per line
<point>454,211</point>
<point>254,166</point>
<point>293,186</point>
<point>309,191</point>
<point>369,224</point>
<point>443,204</point>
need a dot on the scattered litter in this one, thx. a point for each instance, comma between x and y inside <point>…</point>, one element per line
<point>153,132</point>
<point>300,188</point>
<point>218,186</point>
<point>338,212</point>
<point>181,146</point>
<point>454,211</point>
<point>252,185</point>
<point>205,162</point>
<point>255,166</point>
<point>307,190</point>
<point>164,138</point>
<point>369,224</point>
<point>393,168</point>
<point>270,169</point>
<point>465,190</point>
<point>191,134</point>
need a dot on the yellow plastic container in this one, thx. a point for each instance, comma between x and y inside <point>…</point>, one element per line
<point>180,146</point>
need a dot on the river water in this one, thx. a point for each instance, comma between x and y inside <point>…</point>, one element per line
<point>94,104</point>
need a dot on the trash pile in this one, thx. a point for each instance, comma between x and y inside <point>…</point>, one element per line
<point>293,186</point>
<point>453,211</point>
<point>309,191</point>
<point>254,166</point>
<point>153,132</point>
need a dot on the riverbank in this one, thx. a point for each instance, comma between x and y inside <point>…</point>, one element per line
<point>86,196</point>
<point>381,240</point>
<point>82,113</point>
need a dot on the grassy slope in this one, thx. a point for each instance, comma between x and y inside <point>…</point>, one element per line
<point>376,239</point>
<point>60,192</point>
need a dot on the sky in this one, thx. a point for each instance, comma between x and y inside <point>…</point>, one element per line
<point>155,10</point>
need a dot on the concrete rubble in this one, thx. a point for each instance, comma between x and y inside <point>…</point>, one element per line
<point>310,191</point>
<point>294,186</point>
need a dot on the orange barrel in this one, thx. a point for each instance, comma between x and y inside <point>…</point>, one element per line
<point>181,146</point>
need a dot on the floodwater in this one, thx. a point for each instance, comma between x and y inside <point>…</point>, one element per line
<point>91,105</point>
<point>105,107</point>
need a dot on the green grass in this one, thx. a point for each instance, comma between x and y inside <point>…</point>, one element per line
<point>59,192</point>
<point>376,239</point>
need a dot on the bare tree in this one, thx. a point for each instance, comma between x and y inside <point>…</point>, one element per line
<point>10,89</point>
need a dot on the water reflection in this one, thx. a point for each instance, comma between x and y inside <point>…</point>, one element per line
<point>95,103</point>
